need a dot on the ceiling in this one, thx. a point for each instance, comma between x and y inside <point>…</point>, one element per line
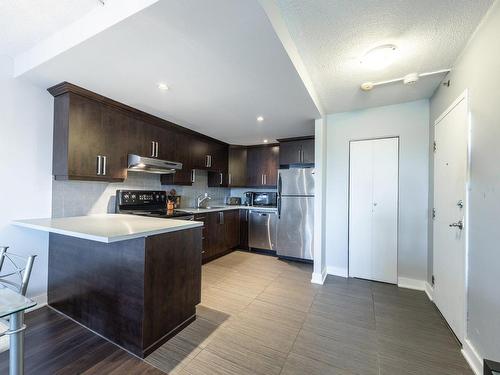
<point>331,36</point>
<point>24,23</point>
<point>221,59</point>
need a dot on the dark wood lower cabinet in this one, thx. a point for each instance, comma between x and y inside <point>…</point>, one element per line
<point>244,229</point>
<point>221,233</point>
<point>136,293</point>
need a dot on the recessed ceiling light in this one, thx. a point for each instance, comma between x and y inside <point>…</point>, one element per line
<point>162,86</point>
<point>265,141</point>
<point>260,119</point>
<point>380,57</point>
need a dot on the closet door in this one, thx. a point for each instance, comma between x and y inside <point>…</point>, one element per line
<point>373,209</point>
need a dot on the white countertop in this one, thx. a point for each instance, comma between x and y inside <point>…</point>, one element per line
<point>108,227</point>
<point>221,207</point>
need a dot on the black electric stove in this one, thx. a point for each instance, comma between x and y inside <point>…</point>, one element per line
<point>147,203</point>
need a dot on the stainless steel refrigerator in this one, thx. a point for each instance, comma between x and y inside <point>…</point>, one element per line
<point>295,213</point>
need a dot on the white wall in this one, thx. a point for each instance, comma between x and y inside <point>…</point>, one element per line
<point>409,121</point>
<point>477,71</point>
<point>320,147</point>
<point>25,170</point>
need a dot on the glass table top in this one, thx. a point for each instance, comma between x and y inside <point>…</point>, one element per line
<point>12,302</point>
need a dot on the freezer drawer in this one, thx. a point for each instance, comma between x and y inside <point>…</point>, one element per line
<point>296,227</point>
<point>262,230</point>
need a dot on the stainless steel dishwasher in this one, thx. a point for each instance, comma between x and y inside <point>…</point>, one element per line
<point>262,230</point>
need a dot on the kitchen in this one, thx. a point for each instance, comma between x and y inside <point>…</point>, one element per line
<point>257,187</point>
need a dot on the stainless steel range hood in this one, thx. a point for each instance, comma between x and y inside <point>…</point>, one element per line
<point>150,165</point>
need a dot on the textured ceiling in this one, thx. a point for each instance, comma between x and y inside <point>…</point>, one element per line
<point>23,23</point>
<point>221,59</point>
<point>331,36</point>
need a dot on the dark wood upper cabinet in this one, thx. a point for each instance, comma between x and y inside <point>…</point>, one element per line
<point>237,167</point>
<point>297,151</point>
<point>271,165</point>
<point>182,154</point>
<point>93,136</point>
<point>218,157</point>
<point>86,140</point>
<point>262,166</point>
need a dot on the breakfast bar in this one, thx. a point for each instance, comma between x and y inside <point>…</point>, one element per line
<point>134,280</point>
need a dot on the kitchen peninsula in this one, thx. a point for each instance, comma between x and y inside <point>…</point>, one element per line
<point>134,280</point>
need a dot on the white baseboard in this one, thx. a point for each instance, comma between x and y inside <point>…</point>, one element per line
<point>429,290</point>
<point>472,357</point>
<point>41,301</point>
<point>319,278</point>
<point>404,282</point>
<point>336,271</point>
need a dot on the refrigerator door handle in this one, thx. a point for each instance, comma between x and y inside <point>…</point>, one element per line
<point>279,206</point>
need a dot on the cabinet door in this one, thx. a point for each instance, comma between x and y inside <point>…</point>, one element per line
<point>217,179</point>
<point>181,154</point>
<point>231,229</point>
<point>254,167</point>
<point>270,169</point>
<point>219,157</point>
<point>199,152</point>
<point>97,141</point>
<point>140,138</point>
<point>215,234</point>
<point>237,173</point>
<point>165,139</point>
<point>290,152</point>
<point>115,125</point>
<point>244,229</point>
<point>85,138</point>
<point>307,151</point>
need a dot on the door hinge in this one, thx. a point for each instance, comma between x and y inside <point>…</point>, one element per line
<point>433,213</point>
<point>433,280</point>
<point>434,147</point>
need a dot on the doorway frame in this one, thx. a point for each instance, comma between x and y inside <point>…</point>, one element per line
<point>463,96</point>
<point>349,199</point>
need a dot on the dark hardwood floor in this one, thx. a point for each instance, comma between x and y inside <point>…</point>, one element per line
<point>57,345</point>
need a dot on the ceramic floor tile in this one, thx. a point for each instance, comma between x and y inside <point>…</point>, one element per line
<point>300,365</point>
<point>261,315</point>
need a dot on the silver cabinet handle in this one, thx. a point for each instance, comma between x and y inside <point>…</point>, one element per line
<point>206,161</point>
<point>221,217</point>
<point>99,164</point>
<point>299,155</point>
<point>104,164</point>
<point>221,178</point>
<point>210,161</point>
<point>152,149</point>
<point>193,176</point>
<point>229,178</point>
<point>157,149</point>
<point>459,224</point>
<point>262,179</point>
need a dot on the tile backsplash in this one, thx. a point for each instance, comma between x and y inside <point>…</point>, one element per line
<point>75,198</point>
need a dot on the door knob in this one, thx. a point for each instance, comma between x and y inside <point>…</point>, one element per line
<point>459,224</point>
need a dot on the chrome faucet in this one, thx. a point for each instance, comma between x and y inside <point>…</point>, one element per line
<point>201,200</point>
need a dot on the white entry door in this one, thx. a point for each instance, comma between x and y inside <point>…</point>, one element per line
<point>450,204</point>
<point>373,209</point>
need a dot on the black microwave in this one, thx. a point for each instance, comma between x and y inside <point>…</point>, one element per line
<point>266,199</point>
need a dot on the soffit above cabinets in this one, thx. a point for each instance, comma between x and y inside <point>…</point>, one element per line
<point>24,23</point>
<point>221,60</point>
